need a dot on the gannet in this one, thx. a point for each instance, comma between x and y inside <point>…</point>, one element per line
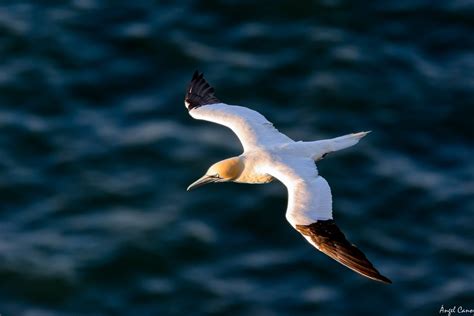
<point>268,155</point>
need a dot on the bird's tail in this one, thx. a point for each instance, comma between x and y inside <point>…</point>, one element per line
<point>345,141</point>
<point>318,149</point>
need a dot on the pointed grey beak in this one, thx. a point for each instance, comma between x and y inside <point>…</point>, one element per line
<point>202,181</point>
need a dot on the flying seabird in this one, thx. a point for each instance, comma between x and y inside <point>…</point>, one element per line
<point>268,155</point>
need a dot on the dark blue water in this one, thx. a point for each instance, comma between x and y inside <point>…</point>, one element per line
<point>96,151</point>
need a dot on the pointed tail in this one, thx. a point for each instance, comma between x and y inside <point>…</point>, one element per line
<point>345,141</point>
<point>318,149</point>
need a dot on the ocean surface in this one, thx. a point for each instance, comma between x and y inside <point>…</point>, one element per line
<point>97,149</point>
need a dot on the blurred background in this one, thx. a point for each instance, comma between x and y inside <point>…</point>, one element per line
<point>97,149</point>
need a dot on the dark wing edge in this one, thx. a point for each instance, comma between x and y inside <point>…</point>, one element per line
<point>199,92</point>
<point>330,240</point>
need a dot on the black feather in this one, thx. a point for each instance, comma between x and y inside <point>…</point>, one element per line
<point>199,92</point>
<point>331,241</point>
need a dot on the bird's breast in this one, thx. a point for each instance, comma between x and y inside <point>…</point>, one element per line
<point>254,178</point>
<point>253,163</point>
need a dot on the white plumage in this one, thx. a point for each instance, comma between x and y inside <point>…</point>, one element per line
<point>269,154</point>
<point>252,128</point>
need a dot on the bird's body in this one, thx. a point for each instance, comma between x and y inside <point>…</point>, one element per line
<point>268,155</point>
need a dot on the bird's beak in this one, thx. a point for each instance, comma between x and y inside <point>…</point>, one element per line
<point>202,181</point>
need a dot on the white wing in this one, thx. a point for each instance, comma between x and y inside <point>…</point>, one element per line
<point>309,194</point>
<point>251,127</point>
<point>310,213</point>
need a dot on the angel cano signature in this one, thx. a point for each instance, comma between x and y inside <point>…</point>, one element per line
<point>456,310</point>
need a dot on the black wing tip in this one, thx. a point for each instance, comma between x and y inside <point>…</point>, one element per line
<point>383,279</point>
<point>332,242</point>
<point>199,92</point>
<point>197,74</point>
<point>373,274</point>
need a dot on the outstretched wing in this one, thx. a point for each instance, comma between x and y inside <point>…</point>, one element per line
<point>251,127</point>
<point>310,213</point>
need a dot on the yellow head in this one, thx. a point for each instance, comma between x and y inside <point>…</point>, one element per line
<point>222,171</point>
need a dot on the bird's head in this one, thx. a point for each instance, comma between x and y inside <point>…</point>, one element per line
<point>222,171</point>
